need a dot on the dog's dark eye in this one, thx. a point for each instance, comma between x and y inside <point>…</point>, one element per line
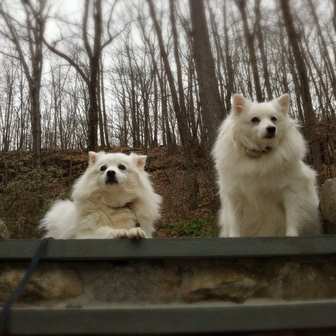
<point>103,168</point>
<point>255,120</point>
<point>274,119</point>
<point>122,167</point>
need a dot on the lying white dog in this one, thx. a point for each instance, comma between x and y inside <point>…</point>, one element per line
<point>114,198</point>
<point>265,187</point>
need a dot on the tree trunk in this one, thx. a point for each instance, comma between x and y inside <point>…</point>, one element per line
<point>324,49</point>
<point>310,118</point>
<point>100,113</point>
<point>182,106</point>
<point>249,38</point>
<point>228,60</point>
<point>212,109</point>
<point>262,49</point>
<point>156,112</point>
<point>181,121</point>
<point>103,104</point>
<point>220,62</point>
<point>334,16</point>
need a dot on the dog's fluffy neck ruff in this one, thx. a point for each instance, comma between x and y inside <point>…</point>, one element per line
<point>128,205</point>
<point>256,153</point>
<point>252,153</point>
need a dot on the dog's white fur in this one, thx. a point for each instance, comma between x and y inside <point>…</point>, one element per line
<point>265,187</point>
<point>100,209</point>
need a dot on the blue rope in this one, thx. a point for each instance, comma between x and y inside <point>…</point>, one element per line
<point>17,292</point>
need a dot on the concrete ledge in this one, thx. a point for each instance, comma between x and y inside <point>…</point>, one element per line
<point>186,286</point>
<point>76,250</point>
<point>193,319</point>
<point>175,280</point>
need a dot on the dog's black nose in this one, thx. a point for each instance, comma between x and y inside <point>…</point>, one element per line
<point>111,176</point>
<point>110,173</point>
<point>270,130</point>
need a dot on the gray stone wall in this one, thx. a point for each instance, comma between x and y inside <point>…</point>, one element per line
<point>171,281</point>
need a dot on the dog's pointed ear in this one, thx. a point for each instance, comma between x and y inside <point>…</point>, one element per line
<point>92,158</point>
<point>239,103</point>
<point>283,103</point>
<point>140,160</point>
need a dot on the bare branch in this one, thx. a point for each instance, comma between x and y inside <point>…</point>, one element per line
<point>112,37</point>
<point>85,29</point>
<point>15,40</point>
<point>68,59</point>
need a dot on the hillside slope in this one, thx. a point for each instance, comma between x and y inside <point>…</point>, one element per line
<point>189,195</point>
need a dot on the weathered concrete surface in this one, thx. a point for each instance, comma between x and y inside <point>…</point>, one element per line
<point>177,281</point>
<point>154,281</point>
<point>328,204</point>
<point>221,280</point>
<point>47,283</point>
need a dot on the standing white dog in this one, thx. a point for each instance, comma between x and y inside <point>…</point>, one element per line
<point>265,187</point>
<point>114,198</point>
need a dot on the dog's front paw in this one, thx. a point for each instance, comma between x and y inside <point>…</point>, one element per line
<point>292,232</point>
<point>119,233</point>
<point>136,233</point>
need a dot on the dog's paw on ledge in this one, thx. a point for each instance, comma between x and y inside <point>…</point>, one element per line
<point>136,233</point>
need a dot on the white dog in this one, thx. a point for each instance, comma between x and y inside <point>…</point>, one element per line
<point>265,187</point>
<point>114,198</point>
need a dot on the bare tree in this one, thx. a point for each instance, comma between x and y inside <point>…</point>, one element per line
<point>182,106</point>
<point>32,62</point>
<point>260,37</point>
<point>249,39</point>
<point>93,50</point>
<point>180,117</point>
<point>212,108</point>
<point>7,115</point>
<point>334,16</point>
<point>310,118</point>
<point>172,86</point>
<point>228,61</point>
<point>323,48</point>
<point>102,105</point>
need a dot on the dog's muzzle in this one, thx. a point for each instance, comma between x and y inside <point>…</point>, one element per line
<point>111,177</point>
